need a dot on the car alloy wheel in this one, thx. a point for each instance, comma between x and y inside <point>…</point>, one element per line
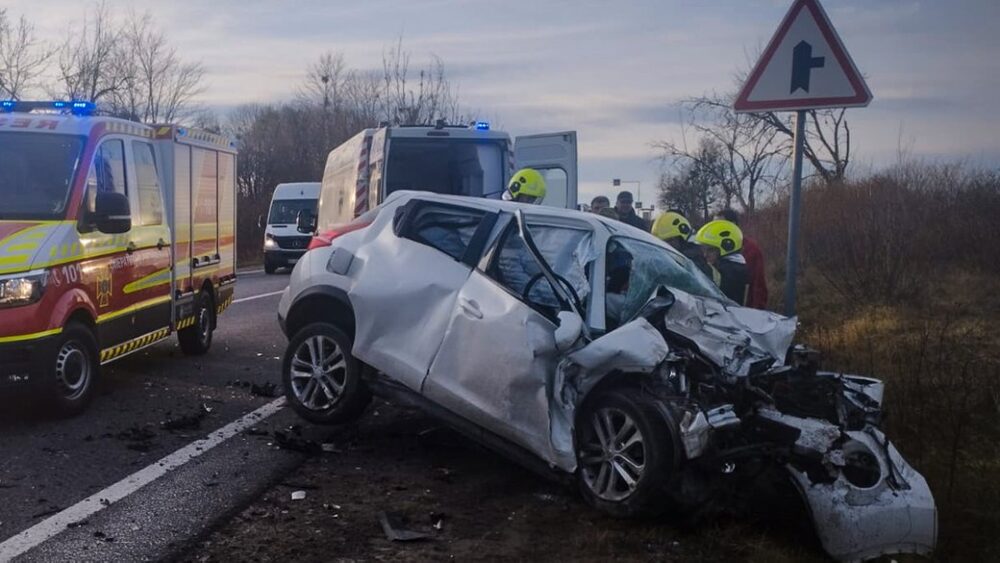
<point>612,455</point>
<point>318,373</point>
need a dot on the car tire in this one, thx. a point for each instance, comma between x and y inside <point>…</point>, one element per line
<point>196,339</point>
<point>321,379</point>
<point>627,475</point>
<point>269,267</point>
<point>73,370</point>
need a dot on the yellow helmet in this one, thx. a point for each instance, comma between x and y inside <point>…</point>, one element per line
<point>724,235</point>
<point>527,182</point>
<point>671,225</point>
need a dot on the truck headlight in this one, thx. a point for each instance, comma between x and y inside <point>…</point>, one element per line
<point>21,289</point>
<point>269,242</point>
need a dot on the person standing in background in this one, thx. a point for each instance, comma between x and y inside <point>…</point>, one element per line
<point>599,204</point>
<point>626,211</point>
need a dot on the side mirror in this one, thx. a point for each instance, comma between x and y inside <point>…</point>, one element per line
<point>569,330</point>
<point>305,222</point>
<point>111,213</point>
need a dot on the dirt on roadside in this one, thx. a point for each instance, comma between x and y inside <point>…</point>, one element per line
<point>469,502</point>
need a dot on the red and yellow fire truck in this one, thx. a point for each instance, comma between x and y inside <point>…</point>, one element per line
<point>113,235</point>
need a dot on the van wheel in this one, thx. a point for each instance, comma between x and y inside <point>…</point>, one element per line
<point>625,456</point>
<point>73,370</point>
<point>196,339</point>
<point>322,380</point>
<point>269,267</point>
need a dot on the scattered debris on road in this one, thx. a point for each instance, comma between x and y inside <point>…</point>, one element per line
<point>392,525</point>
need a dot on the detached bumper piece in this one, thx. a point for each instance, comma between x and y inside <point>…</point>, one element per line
<point>865,500</point>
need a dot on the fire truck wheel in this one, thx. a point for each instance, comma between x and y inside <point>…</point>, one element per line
<point>73,371</point>
<point>322,380</point>
<point>197,338</point>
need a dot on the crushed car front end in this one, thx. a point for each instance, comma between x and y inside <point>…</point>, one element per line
<point>738,394</point>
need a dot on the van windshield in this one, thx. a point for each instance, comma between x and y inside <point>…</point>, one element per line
<point>36,172</point>
<point>445,166</point>
<point>286,211</point>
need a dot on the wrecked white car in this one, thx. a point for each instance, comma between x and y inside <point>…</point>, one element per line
<point>593,350</point>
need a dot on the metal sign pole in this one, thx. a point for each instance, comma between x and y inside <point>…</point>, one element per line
<point>793,213</point>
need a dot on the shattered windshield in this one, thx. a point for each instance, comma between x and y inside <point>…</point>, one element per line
<point>36,172</point>
<point>635,269</point>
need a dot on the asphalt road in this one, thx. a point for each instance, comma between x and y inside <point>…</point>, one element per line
<point>149,405</point>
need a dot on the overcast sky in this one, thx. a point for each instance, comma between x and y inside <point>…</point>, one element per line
<point>613,71</point>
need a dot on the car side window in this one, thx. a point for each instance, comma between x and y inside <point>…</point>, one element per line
<point>150,201</point>
<point>108,172</point>
<point>447,228</point>
<point>565,250</point>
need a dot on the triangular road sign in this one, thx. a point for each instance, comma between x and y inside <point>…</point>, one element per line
<point>805,66</point>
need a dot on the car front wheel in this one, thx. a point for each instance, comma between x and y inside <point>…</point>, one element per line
<point>322,380</point>
<point>625,454</point>
<point>73,371</point>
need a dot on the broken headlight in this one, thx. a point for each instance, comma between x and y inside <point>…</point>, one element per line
<point>21,289</point>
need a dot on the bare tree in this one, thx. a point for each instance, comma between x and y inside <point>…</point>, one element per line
<point>421,103</point>
<point>157,85</point>
<point>87,60</point>
<point>22,56</point>
<point>326,82</point>
<point>693,187</point>
<point>753,153</point>
<point>827,144</point>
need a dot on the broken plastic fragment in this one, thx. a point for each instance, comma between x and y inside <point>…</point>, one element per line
<point>394,531</point>
<point>298,495</point>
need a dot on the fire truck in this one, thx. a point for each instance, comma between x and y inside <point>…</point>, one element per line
<point>113,236</point>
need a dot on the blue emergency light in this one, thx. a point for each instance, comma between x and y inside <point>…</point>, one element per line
<point>75,107</point>
<point>483,125</point>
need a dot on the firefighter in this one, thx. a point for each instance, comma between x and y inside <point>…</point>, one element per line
<point>720,243</point>
<point>757,298</point>
<point>526,186</point>
<point>674,229</point>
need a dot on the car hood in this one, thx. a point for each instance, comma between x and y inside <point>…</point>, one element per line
<point>22,244</point>
<point>737,339</point>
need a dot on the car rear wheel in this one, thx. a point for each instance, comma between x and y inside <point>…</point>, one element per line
<point>322,380</point>
<point>73,370</point>
<point>196,339</point>
<point>625,454</point>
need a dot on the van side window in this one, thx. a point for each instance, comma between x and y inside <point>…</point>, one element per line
<point>108,172</point>
<point>147,184</point>
<point>450,229</point>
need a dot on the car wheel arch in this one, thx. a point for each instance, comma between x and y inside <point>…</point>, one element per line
<point>321,303</point>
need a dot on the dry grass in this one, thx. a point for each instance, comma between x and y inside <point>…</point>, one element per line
<point>899,281</point>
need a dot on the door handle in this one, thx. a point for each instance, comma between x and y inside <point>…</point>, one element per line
<point>130,248</point>
<point>470,308</point>
<point>160,244</point>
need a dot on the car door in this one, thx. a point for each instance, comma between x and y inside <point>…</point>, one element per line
<point>149,244</point>
<point>408,281</point>
<point>554,155</point>
<point>498,357</point>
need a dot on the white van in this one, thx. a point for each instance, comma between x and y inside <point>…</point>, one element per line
<point>283,244</point>
<point>469,160</point>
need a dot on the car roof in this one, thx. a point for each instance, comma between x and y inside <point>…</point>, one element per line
<point>613,226</point>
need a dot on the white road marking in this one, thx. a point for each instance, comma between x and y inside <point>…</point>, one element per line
<point>46,529</point>
<point>261,296</point>
<point>248,272</point>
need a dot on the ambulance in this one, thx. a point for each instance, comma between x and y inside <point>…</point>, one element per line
<point>471,160</point>
<point>113,236</point>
